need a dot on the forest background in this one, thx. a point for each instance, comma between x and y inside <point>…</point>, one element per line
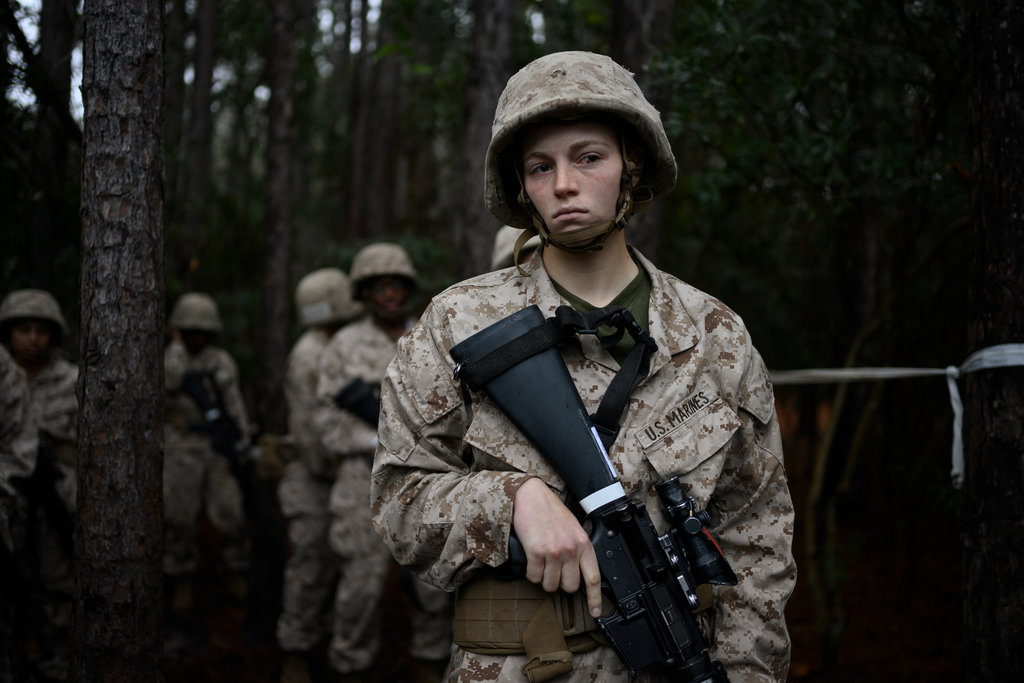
<point>823,193</point>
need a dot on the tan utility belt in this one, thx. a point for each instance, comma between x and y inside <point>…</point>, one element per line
<point>510,617</point>
<point>506,617</point>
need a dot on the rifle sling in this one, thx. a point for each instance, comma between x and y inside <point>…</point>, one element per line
<point>568,322</point>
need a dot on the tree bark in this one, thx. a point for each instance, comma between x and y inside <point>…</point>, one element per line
<point>271,411</point>
<point>200,139</point>
<point>174,113</point>
<point>52,210</point>
<point>640,29</point>
<point>491,65</point>
<point>118,534</point>
<point>382,144</point>
<point>360,109</point>
<point>994,399</point>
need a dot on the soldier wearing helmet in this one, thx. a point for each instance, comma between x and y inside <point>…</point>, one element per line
<point>576,150</point>
<point>351,368</point>
<point>32,329</point>
<point>205,424</point>
<point>505,253</point>
<point>323,303</point>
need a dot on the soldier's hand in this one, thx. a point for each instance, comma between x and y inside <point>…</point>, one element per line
<point>558,551</point>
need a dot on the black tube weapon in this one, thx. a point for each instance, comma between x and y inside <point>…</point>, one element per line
<point>651,578</point>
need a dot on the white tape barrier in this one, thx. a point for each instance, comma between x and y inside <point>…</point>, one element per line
<point>999,356</point>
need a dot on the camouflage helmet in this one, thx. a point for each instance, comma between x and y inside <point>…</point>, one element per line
<point>567,85</point>
<point>32,303</point>
<point>195,311</point>
<point>324,297</point>
<point>503,254</point>
<point>379,259</point>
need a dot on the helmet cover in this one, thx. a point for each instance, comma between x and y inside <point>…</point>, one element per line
<point>567,85</point>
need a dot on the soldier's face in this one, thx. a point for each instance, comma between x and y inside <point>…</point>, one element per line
<point>388,297</point>
<point>572,172</point>
<point>195,340</point>
<point>30,342</point>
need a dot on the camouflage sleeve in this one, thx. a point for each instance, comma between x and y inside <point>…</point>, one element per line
<point>175,365</point>
<point>58,403</point>
<point>19,440</point>
<point>225,373</point>
<point>442,517</point>
<point>754,527</point>
<point>342,433</point>
<point>300,393</point>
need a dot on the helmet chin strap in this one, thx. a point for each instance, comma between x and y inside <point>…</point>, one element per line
<point>589,237</point>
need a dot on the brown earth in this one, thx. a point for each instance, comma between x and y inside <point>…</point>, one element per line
<point>899,601</point>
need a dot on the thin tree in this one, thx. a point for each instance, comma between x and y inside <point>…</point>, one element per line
<point>278,218</point>
<point>640,30</point>
<point>199,144</point>
<point>118,534</point>
<point>490,57</point>
<point>994,399</point>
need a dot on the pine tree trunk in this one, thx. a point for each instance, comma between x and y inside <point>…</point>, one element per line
<point>491,60</point>
<point>118,535</point>
<point>994,399</point>
<point>641,28</point>
<point>199,150</point>
<point>277,222</point>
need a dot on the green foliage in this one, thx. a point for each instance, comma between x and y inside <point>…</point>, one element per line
<point>800,125</point>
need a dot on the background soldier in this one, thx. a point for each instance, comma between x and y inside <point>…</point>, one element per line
<point>32,329</point>
<point>19,441</point>
<point>351,369</point>
<point>504,247</point>
<point>206,432</point>
<point>323,301</point>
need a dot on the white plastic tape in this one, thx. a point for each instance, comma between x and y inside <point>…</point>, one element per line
<point>999,356</point>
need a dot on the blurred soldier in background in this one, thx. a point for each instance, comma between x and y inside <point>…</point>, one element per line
<point>351,368</point>
<point>206,436</point>
<point>18,445</point>
<point>32,329</point>
<point>505,243</point>
<point>323,301</point>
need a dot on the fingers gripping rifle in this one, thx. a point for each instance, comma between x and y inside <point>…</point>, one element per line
<point>651,579</point>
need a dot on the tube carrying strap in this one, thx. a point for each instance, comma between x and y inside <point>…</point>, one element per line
<point>566,323</point>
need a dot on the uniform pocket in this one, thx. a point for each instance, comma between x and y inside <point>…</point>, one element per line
<point>500,446</point>
<point>687,436</point>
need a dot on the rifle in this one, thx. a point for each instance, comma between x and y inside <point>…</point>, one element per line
<point>259,497</point>
<point>651,579</point>
<point>225,436</point>
<point>23,595</point>
<point>362,399</point>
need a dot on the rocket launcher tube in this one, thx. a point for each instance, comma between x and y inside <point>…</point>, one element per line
<point>648,576</point>
<point>540,399</point>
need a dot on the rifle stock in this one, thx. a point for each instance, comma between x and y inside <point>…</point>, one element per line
<point>649,577</point>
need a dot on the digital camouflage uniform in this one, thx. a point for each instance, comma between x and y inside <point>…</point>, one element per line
<point>323,301</point>
<point>362,350</point>
<point>446,472</point>
<point>46,520</point>
<point>19,439</point>
<point>54,395</point>
<point>18,445</point>
<point>303,492</point>
<point>194,473</point>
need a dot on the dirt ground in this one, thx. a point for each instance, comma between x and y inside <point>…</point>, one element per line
<point>902,609</point>
<point>899,603</point>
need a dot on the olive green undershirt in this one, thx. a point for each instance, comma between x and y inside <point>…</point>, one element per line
<point>635,297</point>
